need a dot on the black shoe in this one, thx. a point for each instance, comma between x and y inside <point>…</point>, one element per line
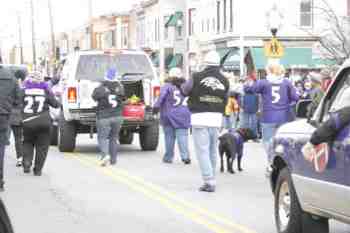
<point>167,161</point>
<point>186,161</point>
<point>207,188</point>
<point>113,163</point>
<point>26,170</point>
<point>37,173</point>
<point>19,162</point>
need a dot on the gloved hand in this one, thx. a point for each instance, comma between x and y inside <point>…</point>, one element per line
<point>155,110</point>
<point>309,151</point>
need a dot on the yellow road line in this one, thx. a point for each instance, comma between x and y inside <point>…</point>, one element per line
<point>169,195</point>
<point>167,203</point>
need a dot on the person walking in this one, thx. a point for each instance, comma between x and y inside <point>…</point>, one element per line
<point>16,120</point>
<point>175,116</point>
<point>277,94</point>
<point>231,111</point>
<point>207,91</point>
<point>109,97</point>
<point>37,122</point>
<point>249,110</point>
<point>9,98</point>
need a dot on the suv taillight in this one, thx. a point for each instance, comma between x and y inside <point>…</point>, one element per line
<point>72,95</point>
<point>156,92</point>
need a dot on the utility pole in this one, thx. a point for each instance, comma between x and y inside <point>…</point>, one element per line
<point>53,43</point>
<point>20,37</point>
<point>33,34</point>
<point>91,25</point>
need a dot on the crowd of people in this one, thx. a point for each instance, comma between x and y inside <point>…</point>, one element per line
<point>204,105</point>
<point>207,103</point>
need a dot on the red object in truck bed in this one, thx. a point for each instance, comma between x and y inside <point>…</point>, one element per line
<point>134,112</point>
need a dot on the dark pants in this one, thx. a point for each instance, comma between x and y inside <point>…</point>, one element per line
<point>2,155</point>
<point>17,131</point>
<point>37,138</point>
<point>4,126</point>
<point>107,136</point>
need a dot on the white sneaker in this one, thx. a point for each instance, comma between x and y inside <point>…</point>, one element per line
<point>105,160</point>
<point>19,162</point>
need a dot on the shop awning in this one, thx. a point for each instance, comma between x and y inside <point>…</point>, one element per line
<point>174,18</point>
<point>321,63</point>
<point>294,58</point>
<point>176,61</point>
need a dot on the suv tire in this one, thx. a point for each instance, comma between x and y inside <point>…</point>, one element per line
<point>298,221</point>
<point>66,135</point>
<point>126,138</point>
<point>54,135</point>
<point>149,137</point>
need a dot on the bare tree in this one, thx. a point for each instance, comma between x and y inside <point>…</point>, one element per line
<point>334,35</point>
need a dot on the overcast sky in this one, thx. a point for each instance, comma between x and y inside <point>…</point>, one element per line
<point>67,14</point>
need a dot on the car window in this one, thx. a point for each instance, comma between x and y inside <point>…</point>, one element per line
<point>94,67</point>
<point>342,97</point>
<point>338,96</point>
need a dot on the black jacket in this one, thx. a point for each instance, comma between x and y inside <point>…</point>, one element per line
<point>9,92</point>
<point>109,97</point>
<point>9,98</point>
<point>209,91</point>
<point>329,130</point>
<point>16,114</point>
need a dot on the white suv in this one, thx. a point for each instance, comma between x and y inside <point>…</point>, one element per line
<point>83,71</point>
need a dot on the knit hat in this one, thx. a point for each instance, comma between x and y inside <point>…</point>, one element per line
<point>36,76</point>
<point>111,75</point>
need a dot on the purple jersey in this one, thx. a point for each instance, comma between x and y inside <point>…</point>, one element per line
<point>277,96</point>
<point>173,107</point>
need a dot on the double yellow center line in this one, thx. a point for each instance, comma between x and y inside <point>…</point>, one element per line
<point>213,222</point>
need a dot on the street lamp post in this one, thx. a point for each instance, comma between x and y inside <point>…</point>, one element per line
<point>274,23</point>
<point>33,34</point>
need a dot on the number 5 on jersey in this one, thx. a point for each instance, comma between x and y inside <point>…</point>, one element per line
<point>276,96</point>
<point>112,99</point>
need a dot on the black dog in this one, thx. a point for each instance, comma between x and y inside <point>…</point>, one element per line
<point>231,144</point>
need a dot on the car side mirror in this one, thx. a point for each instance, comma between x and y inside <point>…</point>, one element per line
<point>301,108</point>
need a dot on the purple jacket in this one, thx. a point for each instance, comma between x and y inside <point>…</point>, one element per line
<point>277,96</point>
<point>173,108</point>
<point>28,84</point>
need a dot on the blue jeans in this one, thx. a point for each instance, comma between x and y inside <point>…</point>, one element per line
<point>107,136</point>
<point>230,122</point>
<point>249,120</point>
<point>205,142</point>
<point>268,132</point>
<point>181,135</point>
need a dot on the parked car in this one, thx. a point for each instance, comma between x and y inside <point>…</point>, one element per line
<point>308,194</point>
<point>83,71</point>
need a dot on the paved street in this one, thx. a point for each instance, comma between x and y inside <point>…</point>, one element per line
<point>139,195</point>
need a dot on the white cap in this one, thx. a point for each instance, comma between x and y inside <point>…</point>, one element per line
<point>36,76</point>
<point>212,58</point>
<point>175,73</point>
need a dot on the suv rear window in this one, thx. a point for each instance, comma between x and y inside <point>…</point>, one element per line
<point>94,67</point>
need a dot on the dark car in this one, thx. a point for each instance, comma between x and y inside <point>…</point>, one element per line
<point>308,194</point>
